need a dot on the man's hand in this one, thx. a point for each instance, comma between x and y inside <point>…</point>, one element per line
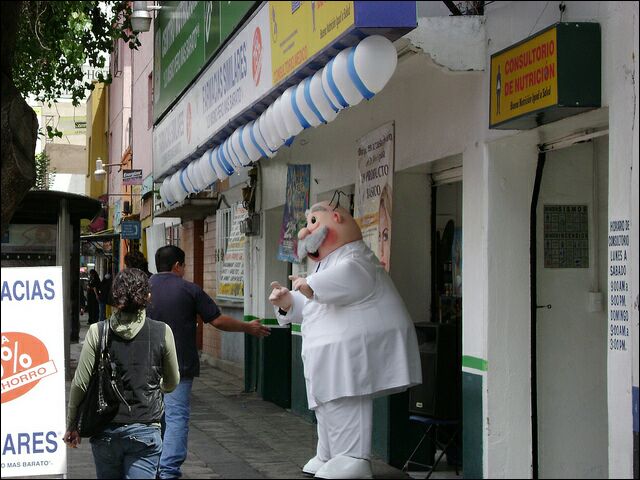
<point>256,329</point>
<point>72,438</point>
<point>300,284</point>
<point>280,296</point>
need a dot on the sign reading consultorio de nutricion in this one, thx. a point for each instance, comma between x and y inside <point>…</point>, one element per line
<point>549,76</point>
<point>619,303</point>
<point>33,378</point>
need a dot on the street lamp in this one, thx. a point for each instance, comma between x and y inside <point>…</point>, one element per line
<point>141,16</point>
<point>100,173</point>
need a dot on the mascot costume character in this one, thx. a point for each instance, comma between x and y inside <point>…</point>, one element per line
<point>358,341</point>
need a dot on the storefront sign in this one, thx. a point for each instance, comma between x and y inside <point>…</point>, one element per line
<point>231,284</point>
<point>374,188</point>
<point>187,34</point>
<point>33,377</point>
<point>237,78</point>
<point>131,230</point>
<point>552,75</point>
<point>301,29</point>
<point>620,301</point>
<point>132,177</point>
<point>297,203</point>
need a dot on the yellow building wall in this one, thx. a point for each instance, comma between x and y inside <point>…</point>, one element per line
<point>97,127</point>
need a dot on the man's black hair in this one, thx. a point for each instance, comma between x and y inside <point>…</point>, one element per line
<point>167,256</point>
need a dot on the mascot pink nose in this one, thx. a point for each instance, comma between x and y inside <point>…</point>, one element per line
<point>303,233</point>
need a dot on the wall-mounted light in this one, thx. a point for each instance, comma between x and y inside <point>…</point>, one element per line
<point>141,16</point>
<point>100,174</point>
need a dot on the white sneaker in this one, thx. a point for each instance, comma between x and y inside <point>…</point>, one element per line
<point>345,467</point>
<point>312,466</point>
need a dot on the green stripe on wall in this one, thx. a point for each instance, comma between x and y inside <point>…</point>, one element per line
<point>475,363</point>
<point>265,321</point>
<point>295,327</point>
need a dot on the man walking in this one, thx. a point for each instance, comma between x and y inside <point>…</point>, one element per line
<point>176,302</point>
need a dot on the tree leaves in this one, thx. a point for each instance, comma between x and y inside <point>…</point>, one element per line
<point>56,39</point>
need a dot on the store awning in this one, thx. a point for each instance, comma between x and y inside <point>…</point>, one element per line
<point>105,235</point>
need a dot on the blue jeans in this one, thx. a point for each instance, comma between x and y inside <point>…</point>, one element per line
<point>177,407</point>
<point>127,451</point>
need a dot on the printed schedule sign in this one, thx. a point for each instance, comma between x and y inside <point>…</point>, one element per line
<point>619,335</point>
<point>566,236</point>
<point>232,268</point>
<point>33,379</point>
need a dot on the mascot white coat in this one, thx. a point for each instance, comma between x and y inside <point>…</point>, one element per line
<point>358,341</point>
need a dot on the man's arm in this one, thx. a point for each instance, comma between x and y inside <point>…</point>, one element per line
<point>230,324</point>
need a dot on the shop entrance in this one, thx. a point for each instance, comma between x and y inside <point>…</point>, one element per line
<point>570,318</point>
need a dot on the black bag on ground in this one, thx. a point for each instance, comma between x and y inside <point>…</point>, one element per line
<point>104,392</point>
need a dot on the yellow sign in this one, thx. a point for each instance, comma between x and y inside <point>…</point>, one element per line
<point>524,78</point>
<point>299,30</point>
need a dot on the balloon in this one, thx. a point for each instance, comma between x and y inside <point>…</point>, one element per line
<point>236,143</point>
<point>230,155</point>
<point>213,162</point>
<point>374,61</point>
<point>253,149</point>
<point>165,192</point>
<point>267,127</point>
<point>192,177</point>
<point>278,120</point>
<point>178,192</point>
<point>259,135</point>
<point>305,106</point>
<point>207,173</point>
<point>343,80</point>
<point>292,122</point>
<point>319,98</point>
<point>224,162</point>
<point>331,89</point>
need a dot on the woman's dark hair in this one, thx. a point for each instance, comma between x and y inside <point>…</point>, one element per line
<point>130,290</point>
<point>167,256</point>
<point>136,259</point>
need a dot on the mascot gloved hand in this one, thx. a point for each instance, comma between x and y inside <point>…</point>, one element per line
<point>358,341</point>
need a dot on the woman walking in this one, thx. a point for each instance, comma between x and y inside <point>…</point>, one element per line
<point>93,297</point>
<point>144,352</point>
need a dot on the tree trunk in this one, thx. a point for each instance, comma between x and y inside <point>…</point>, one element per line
<point>19,125</point>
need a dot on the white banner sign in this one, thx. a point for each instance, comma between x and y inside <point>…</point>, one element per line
<point>238,77</point>
<point>374,188</point>
<point>33,378</point>
<point>232,268</point>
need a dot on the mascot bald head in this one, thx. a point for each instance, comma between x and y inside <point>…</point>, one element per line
<point>328,228</point>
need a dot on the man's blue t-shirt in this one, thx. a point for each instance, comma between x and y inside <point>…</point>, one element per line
<point>176,302</point>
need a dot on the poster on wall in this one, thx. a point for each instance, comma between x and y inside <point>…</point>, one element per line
<point>297,202</point>
<point>232,269</point>
<point>374,189</point>
<point>33,373</point>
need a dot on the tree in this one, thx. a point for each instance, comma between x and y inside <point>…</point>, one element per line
<point>44,46</point>
<point>44,175</point>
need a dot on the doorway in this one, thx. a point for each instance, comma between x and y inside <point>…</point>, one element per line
<point>570,387</point>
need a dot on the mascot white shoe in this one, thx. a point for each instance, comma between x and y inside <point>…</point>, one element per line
<point>345,467</point>
<point>312,466</point>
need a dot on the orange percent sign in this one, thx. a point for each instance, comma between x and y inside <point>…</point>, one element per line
<point>25,361</point>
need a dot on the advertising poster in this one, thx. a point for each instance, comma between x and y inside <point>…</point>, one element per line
<point>297,202</point>
<point>33,377</point>
<point>299,30</point>
<point>232,268</point>
<point>374,190</point>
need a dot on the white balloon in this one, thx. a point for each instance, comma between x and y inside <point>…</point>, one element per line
<point>278,120</point>
<point>292,123</point>
<point>268,129</point>
<point>192,178</point>
<point>201,182</point>
<point>215,164</point>
<point>329,90</point>
<point>375,60</point>
<point>319,97</point>
<point>177,190</point>
<point>260,135</point>
<point>224,161</point>
<point>165,192</point>
<point>343,80</point>
<point>237,146</point>
<point>207,172</point>
<point>250,147</point>
<point>229,155</point>
<point>303,106</point>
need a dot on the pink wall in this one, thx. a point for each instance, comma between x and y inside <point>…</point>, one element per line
<point>142,131</point>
